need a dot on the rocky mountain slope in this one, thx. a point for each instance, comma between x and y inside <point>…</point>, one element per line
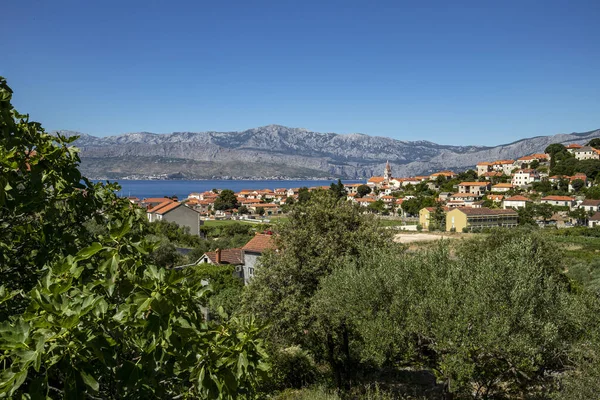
<point>276,150</point>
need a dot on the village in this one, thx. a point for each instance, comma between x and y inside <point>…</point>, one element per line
<point>498,193</point>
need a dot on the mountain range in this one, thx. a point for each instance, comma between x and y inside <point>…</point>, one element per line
<point>278,151</point>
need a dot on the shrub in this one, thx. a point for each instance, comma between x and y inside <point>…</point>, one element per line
<point>294,368</point>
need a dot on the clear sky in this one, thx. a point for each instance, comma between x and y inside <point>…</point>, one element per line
<point>452,72</point>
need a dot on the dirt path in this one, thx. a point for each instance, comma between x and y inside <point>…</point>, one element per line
<point>420,237</point>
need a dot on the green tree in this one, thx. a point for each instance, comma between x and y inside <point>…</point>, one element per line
<point>534,164</point>
<point>555,148</point>
<point>243,210</point>
<point>226,200</point>
<point>565,164</point>
<point>467,176</point>
<point>544,211</point>
<point>527,215</point>
<point>260,211</point>
<point>303,195</point>
<point>87,314</point>
<point>414,205</point>
<point>318,237</point>
<point>556,151</point>
<point>577,184</point>
<point>474,321</point>
<point>439,217</point>
<point>591,168</point>
<point>543,186</point>
<point>363,190</point>
<point>595,143</point>
<point>579,214</point>
<point>593,193</point>
<point>338,189</point>
<point>377,207</point>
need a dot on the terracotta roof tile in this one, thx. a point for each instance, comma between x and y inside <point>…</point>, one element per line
<point>595,217</point>
<point>590,202</point>
<point>558,198</point>
<point>228,256</point>
<point>517,198</point>
<point>159,206</point>
<point>260,243</point>
<point>168,207</point>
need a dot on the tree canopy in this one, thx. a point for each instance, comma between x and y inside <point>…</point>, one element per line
<point>84,312</point>
<point>363,190</point>
<point>595,143</point>
<point>226,200</point>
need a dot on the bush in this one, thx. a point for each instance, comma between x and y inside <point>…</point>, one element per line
<point>293,368</point>
<point>419,227</point>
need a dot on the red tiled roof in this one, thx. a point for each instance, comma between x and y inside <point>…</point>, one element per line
<point>260,243</point>
<point>558,198</point>
<point>537,156</point>
<point>157,200</point>
<point>159,206</point>
<point>590,202</point>
<point>595,217</point>
<point>376,179</point>
<point>574,146</point>
<point>517,198</point>
<point>167,208</point>
<point>504,162</point>
<point>228,256</point>
<point>473,183</point>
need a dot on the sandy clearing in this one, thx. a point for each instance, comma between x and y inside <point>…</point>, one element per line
<point>419,237</point>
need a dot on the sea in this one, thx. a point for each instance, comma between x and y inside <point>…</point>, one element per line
<point>182,188</point>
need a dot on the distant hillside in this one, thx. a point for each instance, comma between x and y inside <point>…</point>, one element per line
<point>276,150</point>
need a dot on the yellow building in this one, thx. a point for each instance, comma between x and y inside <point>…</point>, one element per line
<point>426,217</point>
<point>475,218</point>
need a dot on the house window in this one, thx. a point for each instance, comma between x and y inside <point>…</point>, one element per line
<point>251,271</point>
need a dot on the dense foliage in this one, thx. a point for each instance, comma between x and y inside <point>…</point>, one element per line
<point>84,312</point>
<point>493,317</point>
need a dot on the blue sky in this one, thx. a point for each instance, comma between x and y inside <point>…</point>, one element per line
<point>452,72</point>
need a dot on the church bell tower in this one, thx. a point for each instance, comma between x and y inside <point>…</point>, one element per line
<point>387,173</point>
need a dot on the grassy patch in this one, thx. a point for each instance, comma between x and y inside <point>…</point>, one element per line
<point>393,222</point>
<point>225,222</point>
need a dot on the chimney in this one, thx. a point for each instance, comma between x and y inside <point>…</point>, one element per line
<point>218,251</point>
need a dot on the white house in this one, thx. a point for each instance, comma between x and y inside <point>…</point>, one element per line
<point>515,202</point>
<point>594,220</point>
<point>525,177</point>
<point>477,188</point>
<point>590,205</point>
<point>563,201</point>
<point>586,153</point>
<point>502,187</point>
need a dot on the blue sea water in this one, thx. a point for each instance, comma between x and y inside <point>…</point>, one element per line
<point>181,189</point>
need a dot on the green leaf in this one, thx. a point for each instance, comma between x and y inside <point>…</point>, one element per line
<point>242,364</point>
<point>89,251</point>
<point>90,381</point>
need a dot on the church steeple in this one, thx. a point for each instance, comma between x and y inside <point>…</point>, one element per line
<point>387,173</point>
